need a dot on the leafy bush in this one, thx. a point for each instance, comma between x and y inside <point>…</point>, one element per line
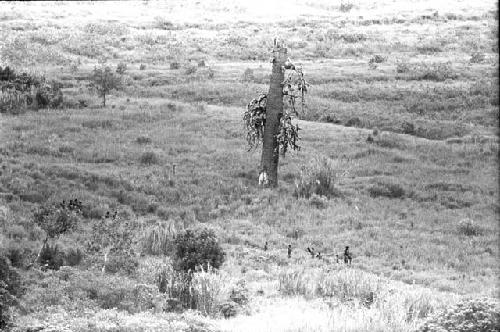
<point>149,158</point>
<point>121,68</point>
<point>73,257</point>
<point>377,59</point>
<point>51,257</point>
<point>469,228</point>
<point>354,122</point>
<point>54,220</point>
<point>197,247</point>
<point>476,314</point>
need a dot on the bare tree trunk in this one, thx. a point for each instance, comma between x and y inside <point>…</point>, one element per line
<point>37,259</point>
<point>274,111</point>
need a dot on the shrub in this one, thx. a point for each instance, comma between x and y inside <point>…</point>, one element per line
<point>353,122</point>
<point>476,314</point>
<point>191,70</point>
<point>121,68</point>
<point>54,220</point>
<point>143,140</point>
<point>346,6</point>
<point>51,257</point>
<point>142,67</point>
<point>469,228</point>
<point>197,247</point>
<point>73,257</point>
<point>386,189</point>
<point>377,59</point>
<point>408,128</point>
<point>149,158</point>
<point>477,57</point>
<point>318,179</point>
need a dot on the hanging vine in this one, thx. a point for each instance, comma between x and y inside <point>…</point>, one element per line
<point>294,87</point>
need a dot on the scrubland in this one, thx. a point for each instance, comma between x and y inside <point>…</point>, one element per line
<point>417,204</point>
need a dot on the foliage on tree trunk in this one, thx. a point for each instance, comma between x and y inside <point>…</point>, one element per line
<point>267,120</point>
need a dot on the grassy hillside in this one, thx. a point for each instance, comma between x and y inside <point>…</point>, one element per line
<point>418,206</point>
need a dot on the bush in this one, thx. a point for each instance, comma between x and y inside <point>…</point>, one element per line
<point>377,59</point>
<point>386,189</point>
<point>73,257</point>
<point>143,140</point>
<point>51,257</point>
<point>175,65</point>
<point>479,314</point>
<point>318,179</point>
<point>142,67</point>
<point>469,228</point>
<point>354,122</point>
<point>121,68</point>
<point>197,247</point>
<point>149,158</point>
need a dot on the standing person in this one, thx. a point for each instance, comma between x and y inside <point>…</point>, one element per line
<point>265,246</point>
<point>347,256</point>
<point>289,251</point>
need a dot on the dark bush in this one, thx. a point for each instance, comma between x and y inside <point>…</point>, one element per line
<point>386,189</point>
<point>408,128</point>
<point>197,247</point>
<point>73,257</point>
<point>174,65</point>
<point>149,158</point>
<point>143,140</point>
<point>51,257</point>
<point>353,122</point>
<point>121,68</point>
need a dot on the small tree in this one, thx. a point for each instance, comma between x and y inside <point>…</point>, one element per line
<point>55,221</point>
<point>104,80</point>
<point>197,248</point>
<point>111,236</point>
<point>267,121</point>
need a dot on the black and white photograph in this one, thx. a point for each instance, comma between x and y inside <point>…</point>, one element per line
<point>249,166</point>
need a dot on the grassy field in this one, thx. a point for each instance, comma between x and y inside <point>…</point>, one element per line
<point>418,206</point>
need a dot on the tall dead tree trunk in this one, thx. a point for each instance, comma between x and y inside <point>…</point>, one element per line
<point>274,111</point>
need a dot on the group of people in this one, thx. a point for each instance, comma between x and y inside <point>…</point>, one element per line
<point>347,256</point>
